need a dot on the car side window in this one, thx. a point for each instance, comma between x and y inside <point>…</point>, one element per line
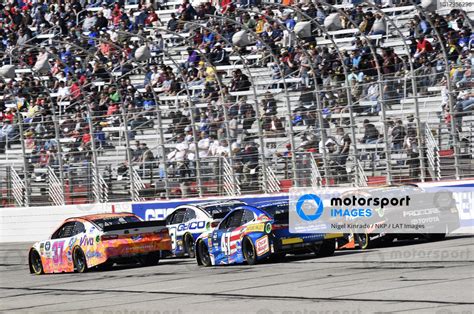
<point>64,231</point>
<point>169,218</point>
<point>78,228</point>
<point>233,220</point>
<point>190,214</point>
<point>247,216</point>
<point>178,216</point>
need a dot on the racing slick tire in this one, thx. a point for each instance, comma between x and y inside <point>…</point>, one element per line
<point>277,257</point>
<point>327,248</point>
<point>363,240</point>
<point>79,260</point>
<point>36,266</point>
<point>189,245</point>
<point>202,256</point>
<point>437,236</point>
<point>248,249</point>
<point>105,266</point>
<point>150,259</point>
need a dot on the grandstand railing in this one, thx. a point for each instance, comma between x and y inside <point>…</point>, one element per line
<point>432,152</point>
<point>231,183</point>
<point>360,178</point>
<point>137,186</point>
<point>100,188</point>
<point>18,188</point>
<point>316,178</point>
<point>55,188</point>
<point>271,184</point>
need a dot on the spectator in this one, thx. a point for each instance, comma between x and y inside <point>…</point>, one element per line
<point>239,82</point>
<point>423,47</point>
<point>398,136</point>
<point>371,134</point>
<point>219,56</point>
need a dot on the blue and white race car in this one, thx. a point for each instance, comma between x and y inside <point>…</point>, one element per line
<point>251,234</point>
<point>187,222</point>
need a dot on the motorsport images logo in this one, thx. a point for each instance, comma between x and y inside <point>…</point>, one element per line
<point>309,203</point>
<point>310,207</point>
<point>394,209</point>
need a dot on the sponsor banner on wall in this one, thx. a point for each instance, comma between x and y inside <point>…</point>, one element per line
<point>159,210</point>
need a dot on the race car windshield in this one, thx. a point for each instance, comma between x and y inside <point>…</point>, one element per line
<point>219,211</point>
<point>111,221</point>
<point>279,212</point>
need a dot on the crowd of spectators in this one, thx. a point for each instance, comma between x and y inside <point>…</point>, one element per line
<point>91,46</point>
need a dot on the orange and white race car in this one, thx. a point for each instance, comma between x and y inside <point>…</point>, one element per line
<point>101,240</point>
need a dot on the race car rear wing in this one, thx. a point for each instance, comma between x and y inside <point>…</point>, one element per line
<point>135,225</point>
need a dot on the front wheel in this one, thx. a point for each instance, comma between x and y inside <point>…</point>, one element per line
<point>249,252</point>
<point>79,259</point>
<point>36,266</point>
<point>363,240</point>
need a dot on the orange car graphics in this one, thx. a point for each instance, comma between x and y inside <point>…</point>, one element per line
<point>100,239</point>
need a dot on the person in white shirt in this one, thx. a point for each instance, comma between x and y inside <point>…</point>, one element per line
<point>233,127</point>
<point>107,12</point>
<point>203,145</point>
<point>214,146</point>
<point>63,91</point>
<point>223,149</point>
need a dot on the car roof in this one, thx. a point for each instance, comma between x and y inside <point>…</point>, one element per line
<point>264,205</point>
<point>204,205</point>
<point>261,207</point>
<point>100,216</point>
<point>216,203</point>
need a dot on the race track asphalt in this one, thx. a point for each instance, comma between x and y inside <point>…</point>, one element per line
<point>407,277</point>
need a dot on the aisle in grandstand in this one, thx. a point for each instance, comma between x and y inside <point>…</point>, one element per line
<point>124,101</point>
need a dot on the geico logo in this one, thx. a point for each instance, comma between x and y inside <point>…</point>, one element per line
<point>155,214</point>
<point>192,225</point>
<point>420,212</point>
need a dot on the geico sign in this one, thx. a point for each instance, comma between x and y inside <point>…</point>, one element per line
<point>156,214</point>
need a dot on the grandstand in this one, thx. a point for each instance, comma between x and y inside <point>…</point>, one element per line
<point>125,101</point>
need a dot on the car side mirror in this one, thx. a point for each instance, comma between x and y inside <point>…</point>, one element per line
<point>215,223</point>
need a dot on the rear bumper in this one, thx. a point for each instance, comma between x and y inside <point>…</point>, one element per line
<point>301,242</point>
<point>117,249</point>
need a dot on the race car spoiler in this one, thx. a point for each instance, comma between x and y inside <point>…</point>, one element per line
<point>135,225</point>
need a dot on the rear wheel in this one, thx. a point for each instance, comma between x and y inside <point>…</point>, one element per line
<point>277,257</point>
<point>150,259</point>
<point>79,259</point>
<point>105,266</point>
<point>438,236</point>
<point>249,252</point>
<point>189,245</point>
<point>327,248</point>
<point>36,266</point>
<point>203,256</point>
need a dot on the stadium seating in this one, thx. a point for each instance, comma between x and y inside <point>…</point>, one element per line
<point>176,104</point>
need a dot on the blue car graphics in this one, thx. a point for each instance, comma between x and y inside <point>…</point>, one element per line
<point>251,234</point>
